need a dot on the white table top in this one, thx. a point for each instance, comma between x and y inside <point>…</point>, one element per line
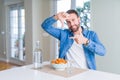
<point>26,73</point>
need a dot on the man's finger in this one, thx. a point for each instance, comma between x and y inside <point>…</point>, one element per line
<point>62,22</point>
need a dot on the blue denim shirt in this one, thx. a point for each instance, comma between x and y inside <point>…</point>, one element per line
<point>94,46</point>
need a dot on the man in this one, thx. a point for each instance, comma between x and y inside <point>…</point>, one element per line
<point>76,43</point>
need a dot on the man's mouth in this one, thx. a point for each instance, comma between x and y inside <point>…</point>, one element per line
<point>74,29</point>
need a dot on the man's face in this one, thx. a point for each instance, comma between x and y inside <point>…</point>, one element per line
<point>73,22</point>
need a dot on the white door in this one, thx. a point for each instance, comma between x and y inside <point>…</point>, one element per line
<point>16,46</point>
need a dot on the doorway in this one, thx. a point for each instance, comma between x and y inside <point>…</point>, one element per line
<point>16,29</point>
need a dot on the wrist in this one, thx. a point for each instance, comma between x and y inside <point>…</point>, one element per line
<point>87,42</point>
<point>56,17</point>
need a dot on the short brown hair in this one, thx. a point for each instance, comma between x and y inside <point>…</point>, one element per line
<point>72,11</point>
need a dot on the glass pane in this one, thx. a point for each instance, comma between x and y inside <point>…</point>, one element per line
<point>22,34</point>
<point>14,32</point>
<point>63,5</point>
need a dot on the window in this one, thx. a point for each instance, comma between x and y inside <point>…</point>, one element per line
<point>17,31</point>
<point>81,6</point>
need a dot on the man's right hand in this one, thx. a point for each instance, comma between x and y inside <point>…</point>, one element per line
<point>61,16</point>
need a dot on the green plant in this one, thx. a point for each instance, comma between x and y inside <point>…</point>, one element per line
<point>84,13</point>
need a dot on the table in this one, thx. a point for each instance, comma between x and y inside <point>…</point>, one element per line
<point>26,73</point>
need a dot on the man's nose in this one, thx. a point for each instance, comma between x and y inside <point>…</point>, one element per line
<point>72,23</point>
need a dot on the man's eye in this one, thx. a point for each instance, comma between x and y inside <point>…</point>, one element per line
<point>68,21</point>
<point>73,19</point>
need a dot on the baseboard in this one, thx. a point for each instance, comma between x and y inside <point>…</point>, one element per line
<point>3,59</point>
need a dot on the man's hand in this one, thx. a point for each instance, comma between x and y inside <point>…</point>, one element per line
<point>62,16</point>
<point>80,39</point>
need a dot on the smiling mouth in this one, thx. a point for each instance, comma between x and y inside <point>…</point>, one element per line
<point>74,29</point>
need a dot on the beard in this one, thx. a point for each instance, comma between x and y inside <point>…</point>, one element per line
<point>74,29</point>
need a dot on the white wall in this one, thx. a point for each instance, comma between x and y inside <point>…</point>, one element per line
<point>0,25</point>
<point>28,30</point>
<point>45,10</point>
<point>105,21</point>
<point>36,11</point>
<point>0,13</point>
<point>2,29</point>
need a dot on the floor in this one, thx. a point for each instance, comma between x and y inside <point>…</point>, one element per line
<point>6,65</point>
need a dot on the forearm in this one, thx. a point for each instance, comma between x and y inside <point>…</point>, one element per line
<point>97,48</point>
<point>48,22</point>
<point>47,25</point>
